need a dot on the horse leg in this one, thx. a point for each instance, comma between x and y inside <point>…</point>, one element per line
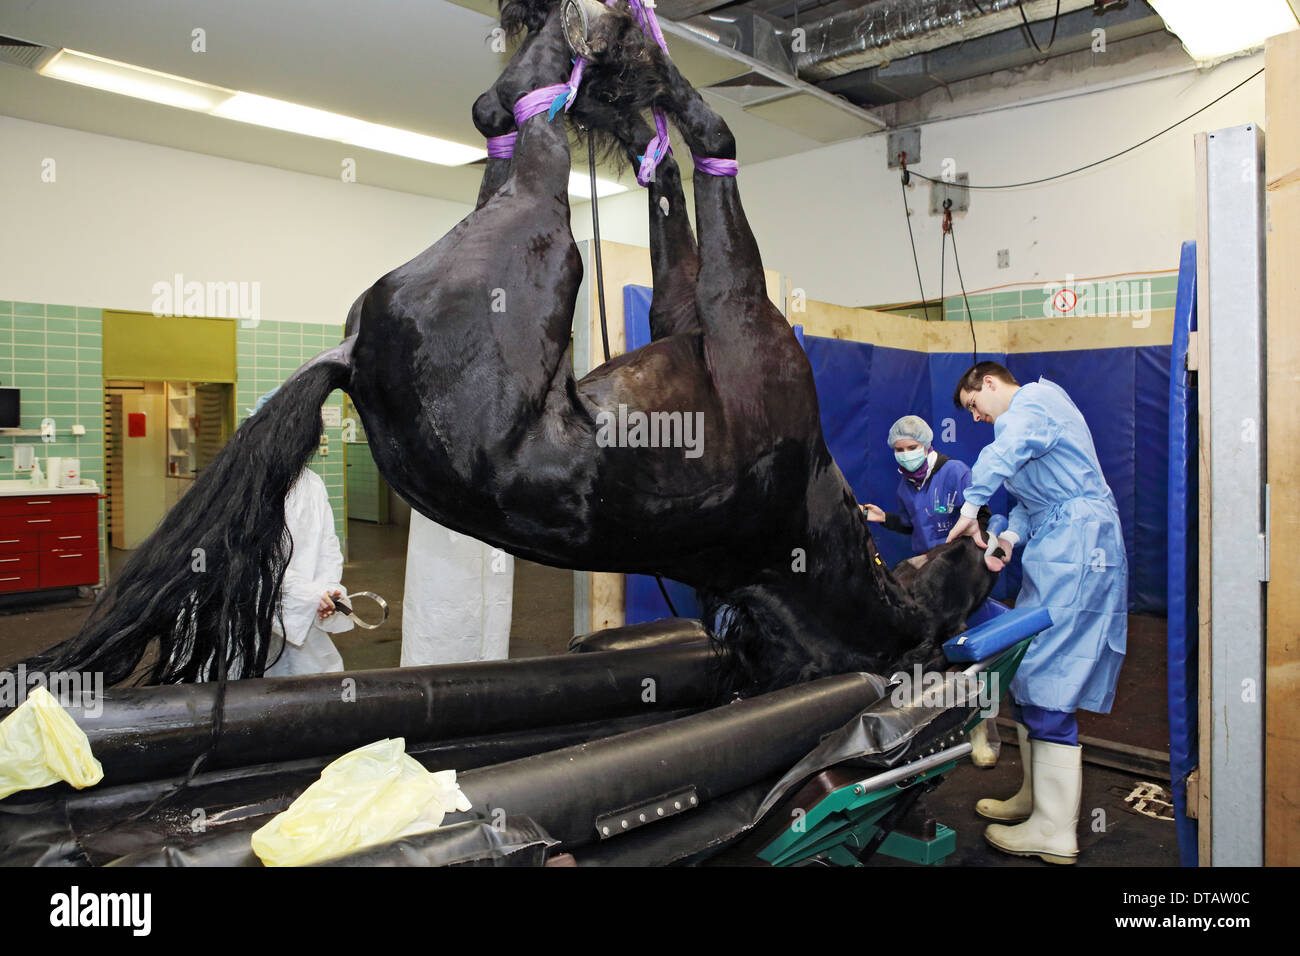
<point>463,375</point>
<point>826,601</point>
<point>496,123</point>
<point>674,256</point>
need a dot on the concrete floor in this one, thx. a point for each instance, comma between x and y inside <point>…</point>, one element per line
<point>1110,834</point>
<point>542,622</point>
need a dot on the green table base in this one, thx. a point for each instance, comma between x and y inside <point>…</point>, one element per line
<point>846,818</point>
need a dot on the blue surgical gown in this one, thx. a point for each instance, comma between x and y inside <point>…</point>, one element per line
<point>1073,560</point>
<point>931,510</point>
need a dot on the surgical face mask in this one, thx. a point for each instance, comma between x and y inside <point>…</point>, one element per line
<point>910,460</point>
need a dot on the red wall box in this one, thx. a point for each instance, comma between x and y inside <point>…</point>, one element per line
<point>48,541</point>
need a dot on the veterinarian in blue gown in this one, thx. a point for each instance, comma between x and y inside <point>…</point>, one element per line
<point>1075,565</point>
<point>931,492</point>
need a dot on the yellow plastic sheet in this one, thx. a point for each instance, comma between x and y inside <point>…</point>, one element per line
<point>374,794</point>
<point>41,744</point>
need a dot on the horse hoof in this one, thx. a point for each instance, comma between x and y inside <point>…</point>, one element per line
<point>577,27</point>
<point>581,22</point>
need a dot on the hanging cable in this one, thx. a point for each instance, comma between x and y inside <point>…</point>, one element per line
<point>902,185</point>
<point>1048,179</point>
<point>947,231</point>
<point>1030,33</point>
<point>600,293</point>
<point>943,256</point>
<point>975,353</point>
<point>595,245</point>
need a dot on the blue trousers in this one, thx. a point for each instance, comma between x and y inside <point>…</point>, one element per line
<point>1053,726</point>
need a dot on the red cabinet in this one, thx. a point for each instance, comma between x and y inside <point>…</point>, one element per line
<point>48,541</point>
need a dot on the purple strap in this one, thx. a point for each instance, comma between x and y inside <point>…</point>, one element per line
<point>538,101</point>
<point>574,79</point>
<point>716,167</point>
<point>655,150</point>
<point>658,147</point>
<point>502,147</point>
<point>551,98</point>
<point>645,16</point>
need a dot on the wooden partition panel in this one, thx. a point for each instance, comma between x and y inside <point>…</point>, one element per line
<point>1282,649</point>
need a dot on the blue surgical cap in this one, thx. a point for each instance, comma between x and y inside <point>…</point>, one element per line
<point>913,427</point>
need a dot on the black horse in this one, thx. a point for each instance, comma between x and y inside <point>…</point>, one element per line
<point>459,365</point>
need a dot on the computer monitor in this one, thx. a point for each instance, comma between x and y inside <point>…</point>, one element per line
<point>10,415</point>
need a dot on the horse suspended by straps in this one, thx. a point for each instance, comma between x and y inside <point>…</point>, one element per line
<point>459,364</point>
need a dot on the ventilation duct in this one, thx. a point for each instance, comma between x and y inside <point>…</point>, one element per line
<point>889,30</point>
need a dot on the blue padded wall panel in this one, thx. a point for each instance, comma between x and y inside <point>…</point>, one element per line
<point>862,389</point>
<point>1183,560</point>
<point>636,315</point>
<point>1148,580</point>
<point>842,373</point>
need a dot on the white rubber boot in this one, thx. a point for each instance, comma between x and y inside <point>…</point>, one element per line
<point>1020,806</point>
<point>985,744</point>
<point>1050,831</point>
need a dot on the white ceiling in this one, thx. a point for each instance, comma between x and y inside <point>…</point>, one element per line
<point>414,64</point>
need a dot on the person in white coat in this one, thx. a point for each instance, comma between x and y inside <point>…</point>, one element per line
<point>311,583</point>
<point>300,632</point>
<point>458,599</point>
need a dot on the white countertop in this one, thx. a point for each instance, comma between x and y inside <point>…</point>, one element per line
<point>12,487</point>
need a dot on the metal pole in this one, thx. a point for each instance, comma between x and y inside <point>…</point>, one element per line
<point>1233,304</point>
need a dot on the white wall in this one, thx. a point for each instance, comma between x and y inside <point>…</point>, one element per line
<point>123,215</point>
<point>832,219</point>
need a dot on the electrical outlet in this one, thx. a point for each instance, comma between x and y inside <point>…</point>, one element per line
<point>1004,258</point>
<point>324,449</point>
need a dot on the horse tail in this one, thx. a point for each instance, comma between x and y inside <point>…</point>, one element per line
<point>205,586</point>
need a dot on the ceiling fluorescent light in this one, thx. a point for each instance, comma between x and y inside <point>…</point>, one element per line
<point>1212,30</point>
<point>290,117</point>
<point>114,77</point>
<point>135,81</point>
<point>580,187</point>
<point>402,142</point>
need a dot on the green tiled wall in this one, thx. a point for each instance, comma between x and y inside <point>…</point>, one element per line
<point>1029,303</point>
<point>367,492</point>
<point>54,354</point>
<point>267,355</point>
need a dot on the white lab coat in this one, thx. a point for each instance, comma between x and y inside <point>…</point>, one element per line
<point>458,600</point>
<point>315,567</point>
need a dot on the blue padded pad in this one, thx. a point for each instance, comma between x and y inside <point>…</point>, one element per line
<point>996,635</point>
